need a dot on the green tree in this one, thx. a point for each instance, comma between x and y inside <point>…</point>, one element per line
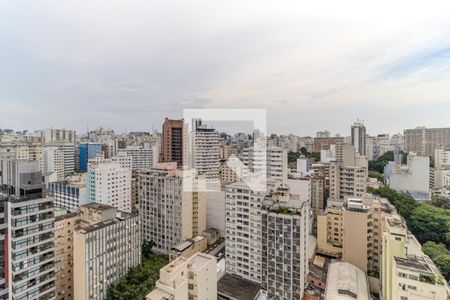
<point>443,263</point>
<point>440,201</point>
<point>140,279</point>
<point>430,223</point>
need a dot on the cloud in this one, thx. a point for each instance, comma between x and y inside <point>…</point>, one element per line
<point>313,65</point>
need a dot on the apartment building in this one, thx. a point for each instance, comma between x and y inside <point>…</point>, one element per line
<point>227,174</point>
<point>53,164</point>
<point>269,163</point>
<point>412,178</point>
<point>122,159</point>
<point>166,206</point>
<point>424,141</point>
<point>323,143</point>
<point>54,135</point>
<point>347,181</point>
<point>29,262</point>
<point>353,230</point>
<point>189,247</point>
<point>70,193</point>
<point>285,227</point>
<point>64,140</point>
<point>205,151</point>
<point>141,158</point>
<point>110,184</point>
<point>243,223</point>
<point>107,243</point>
<point>442,158</point>
<point>187,278</point>
<point>173,146</point>
<point>65,225</point>
<point>359,137</point>
<point>407,273</point>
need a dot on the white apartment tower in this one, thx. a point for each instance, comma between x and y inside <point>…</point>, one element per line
<point>141,158</point>
<point>205,150</point>
<point>270,161</point>
<point>109,183</point>
<point>243,206</point>
<point>53,164</point>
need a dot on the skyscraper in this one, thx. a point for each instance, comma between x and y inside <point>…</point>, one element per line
<point>205,151</point>
<point>29,237</point>
<point>173,142</point>
<point>359,137</point>
<point>88,151</point>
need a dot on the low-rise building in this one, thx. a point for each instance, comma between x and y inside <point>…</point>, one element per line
<point>187,278</point>
<point>346,281</point>
<point>189,247</point>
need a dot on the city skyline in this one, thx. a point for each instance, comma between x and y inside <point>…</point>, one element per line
<point>308,64</point>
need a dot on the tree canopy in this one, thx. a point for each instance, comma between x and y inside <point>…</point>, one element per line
<point>141,279</point>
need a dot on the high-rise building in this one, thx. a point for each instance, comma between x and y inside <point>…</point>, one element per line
<point>205,151</point>
<point>285,228</point>
<point>29,269</point>
<point>424,141</point>
<point>270,163</point>
<point>187,278</point>
<point>166,207</point>
<point>243,204</point>
<point>109,183</point>
<point>64,140</point>
<point>106,245</point>
<point>442,158</point>
<point>347,181</point>
<point>354,230</point>
<point>141,158</point>
<point>173,146</point>
<point>57,136</point>
<point>88,151</point>
<point>359,137</point>
<point>65,225</point>
<point>53,164</point>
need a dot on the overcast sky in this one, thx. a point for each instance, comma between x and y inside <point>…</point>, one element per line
<point>314,65</point>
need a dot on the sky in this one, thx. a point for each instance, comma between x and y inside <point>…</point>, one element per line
<point>314,65</point>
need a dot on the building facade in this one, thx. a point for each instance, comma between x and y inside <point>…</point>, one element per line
<point>165,207</point>
<point>106,245</point>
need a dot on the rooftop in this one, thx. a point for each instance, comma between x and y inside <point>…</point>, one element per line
<point>98,206</point>
<point>234,287</point>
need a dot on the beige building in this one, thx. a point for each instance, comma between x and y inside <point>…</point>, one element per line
<point>347,181</point>
<point>187,278</point>
<point>424,141</point>
<point>226,174</point>
<point>189,247</point>
<point>65,225</point>
<point>166,206</point>
<point>353,229</point>
<point>407,273</point>
<point>106,244</point>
